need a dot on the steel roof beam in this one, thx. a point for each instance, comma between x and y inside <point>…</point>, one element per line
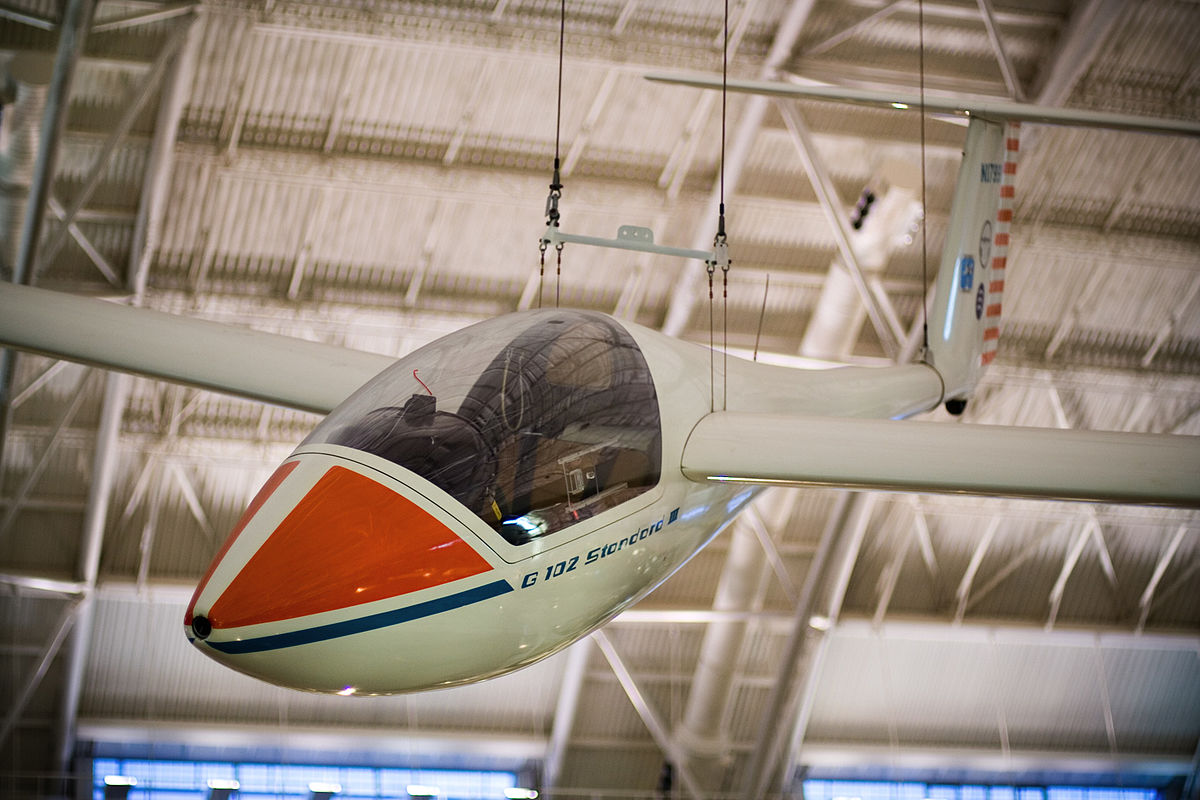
<point>885,326</point>
<point>1064,574</point>
<point>1011,80</point>
<point>170,11</point>
<point>77,17</point>
<point>423,744</point>
<point>85,244</point>
<point>754,519</point>
<point>963,593</point>
<point>46,657</point>
<point>175,55</point>
<point>846,527</point>
<point>1082,40</point>
<point>848,32</point>
<point>147,227</point>
<point>1146,601</point>
<point>44,376</point>
<point>137,100</point>
<point>104,473</point>
<point>679,163</point>
<point>565,709</point>
<point>40,585</point>
<point>599,101</point>
<point>738,152</point>
<point>650,718</point>
<point>1177,315</point>
<point>25,18</point>
<point>891,573</point>
<point>35,471</point>
<point>699,734</point>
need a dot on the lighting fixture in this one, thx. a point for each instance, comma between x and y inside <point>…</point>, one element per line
<point>222,788</point>
<point>319,790</point>
<point>116,787</point>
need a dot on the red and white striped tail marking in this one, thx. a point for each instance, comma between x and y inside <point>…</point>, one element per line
<point>1004,214</point>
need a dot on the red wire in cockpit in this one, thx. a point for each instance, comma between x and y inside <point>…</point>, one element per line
<point>422,383</point>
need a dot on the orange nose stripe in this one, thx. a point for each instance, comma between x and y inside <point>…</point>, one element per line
<point>266,491</point>
<point>349,541</point>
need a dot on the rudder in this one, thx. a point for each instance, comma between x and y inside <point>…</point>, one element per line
<point>964,324</point>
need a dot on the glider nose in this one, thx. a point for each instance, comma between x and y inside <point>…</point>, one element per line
<point>321,547</point>
<point>196,620</point>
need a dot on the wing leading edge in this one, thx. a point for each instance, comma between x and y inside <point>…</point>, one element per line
<point>990,460</point>
<point>309,376</point>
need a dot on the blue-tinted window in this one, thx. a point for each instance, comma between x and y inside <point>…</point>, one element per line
<point>889,790</point>
<point>188,780</point>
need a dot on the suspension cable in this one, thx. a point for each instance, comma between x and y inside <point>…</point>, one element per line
<point>720,247</point>
<point>924,214</point>
<point>553,217</point>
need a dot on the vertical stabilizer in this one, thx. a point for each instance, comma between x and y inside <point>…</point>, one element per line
<point>964,323</point>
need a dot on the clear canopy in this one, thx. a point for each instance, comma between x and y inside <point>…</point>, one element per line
<point>533,421</point>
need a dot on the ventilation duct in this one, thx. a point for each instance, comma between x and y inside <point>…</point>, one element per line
<point>27,81</point>
<point>881,220</point>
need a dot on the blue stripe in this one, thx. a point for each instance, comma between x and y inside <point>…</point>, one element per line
<point>363,624</point>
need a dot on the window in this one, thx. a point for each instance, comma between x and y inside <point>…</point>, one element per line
<point>185,780</point>
<point>532,421</point>
<point>913,790</point>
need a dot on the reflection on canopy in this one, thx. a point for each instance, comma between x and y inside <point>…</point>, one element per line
<point>532,421</point>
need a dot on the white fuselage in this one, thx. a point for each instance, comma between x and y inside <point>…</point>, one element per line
<point>440,615</point>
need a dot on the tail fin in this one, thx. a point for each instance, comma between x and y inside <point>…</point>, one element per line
<point>964,324</point>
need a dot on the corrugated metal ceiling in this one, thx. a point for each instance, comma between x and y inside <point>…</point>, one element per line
<point>374,174</point>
